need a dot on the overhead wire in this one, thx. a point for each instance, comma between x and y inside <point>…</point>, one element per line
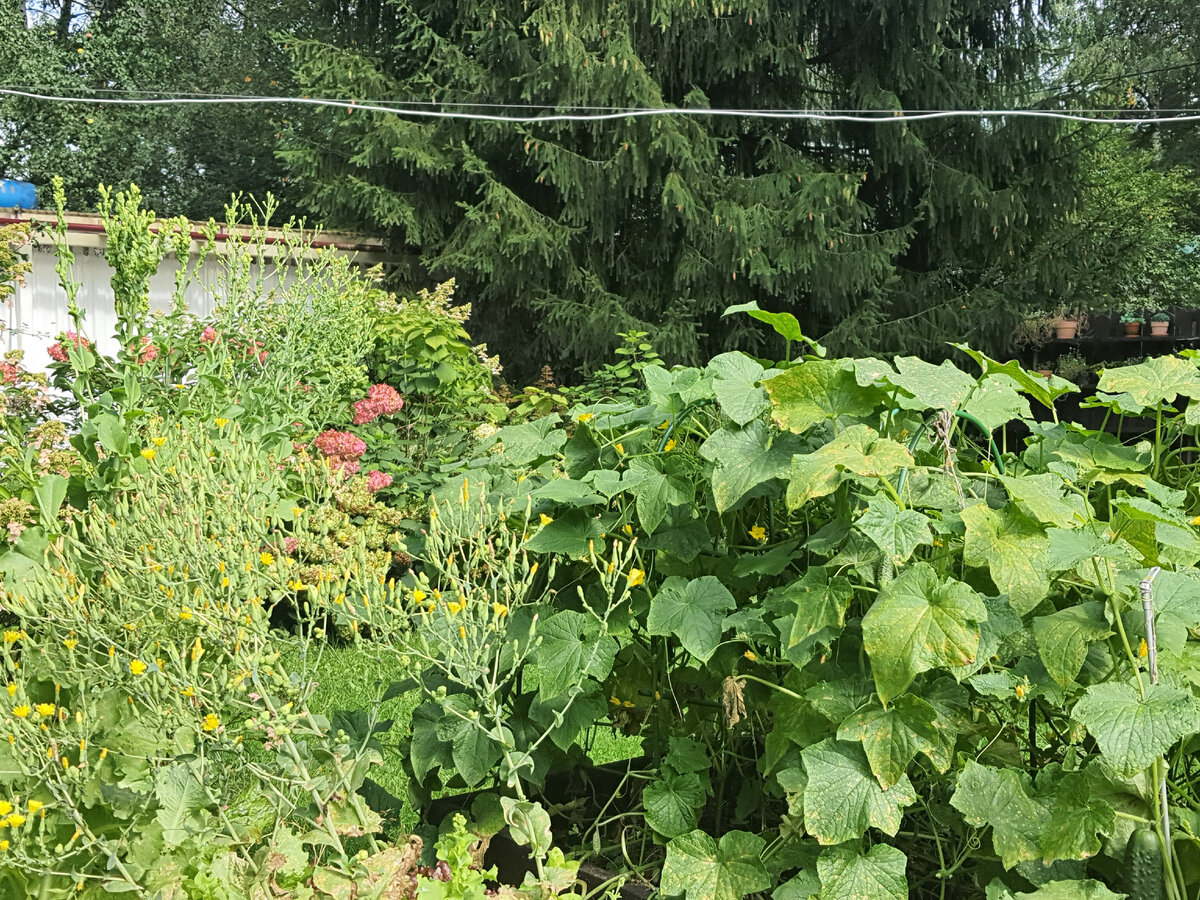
<point>420,109</point>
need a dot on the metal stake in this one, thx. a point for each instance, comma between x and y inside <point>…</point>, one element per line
<point>1145,588</point>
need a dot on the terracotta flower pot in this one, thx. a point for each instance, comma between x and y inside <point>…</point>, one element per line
<point>1064,329</point>
<point>1159,329</point>
<point>1133,329</point>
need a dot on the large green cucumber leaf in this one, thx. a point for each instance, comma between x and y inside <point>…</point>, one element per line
<point>1063,638</point>
<point>699,868</point>
<point>1133,731</point>
<point>1003,799</point>
<point>817,391</point>
<point>917,623</point>
<point>892,737</point>
<point>858,452</point>
<point>692,611</point>
<point>848,874</point>
<point>842,798</point>
<point>1012,547</point>
<point>897,532</point>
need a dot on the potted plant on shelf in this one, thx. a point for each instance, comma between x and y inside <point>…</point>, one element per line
<point>1159,323</point>
<point>1068,323</point>
<point>1132,323</point>
<point>1072,367</point>
<point>1034,330</point>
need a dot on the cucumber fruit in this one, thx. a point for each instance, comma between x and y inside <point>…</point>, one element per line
<point>1144,866</point>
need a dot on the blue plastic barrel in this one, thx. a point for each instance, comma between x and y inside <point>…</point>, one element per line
<point>17,193</point>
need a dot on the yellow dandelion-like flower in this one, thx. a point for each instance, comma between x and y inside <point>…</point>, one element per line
<point>419,595</point>
<point>3,846</point>
<point>455,607</point>
<point>636,577</point>
<point>295,584</point>
<point>11,636</point>
<point>296,510</point>
<point>1196,520</point>
<point>758,533</point>
<point>21,711</point>
<point>111,650</point>
<point>11,688</point>
<point>148,453</point>
<point>219,422</point>
<point>669,446</point>
<point>158,441</point>
<point>103,752</point>
<point>136,666</point>
<point>583,417</point>
<point>750,655</point>
<point>545,519</point>
<point>5,807</point>
<point>70,643</point>
<point>210,723</point>
<point>462,633</point>
<point>16,820</point>
<point>185,613</point>
<point>266,558</point>
<point>35,805</point>
<point>45,709</point>
<point>499,609</point>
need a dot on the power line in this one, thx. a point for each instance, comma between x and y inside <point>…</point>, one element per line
<point>421,111</point>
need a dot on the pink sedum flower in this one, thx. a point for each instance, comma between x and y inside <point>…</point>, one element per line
<point>58,351</point>
<point>341,449</point>
<point>377,480</point>
<point>149,352</point>
<point>9,373</point>
<point>381,400</point>
<point>208,335</point>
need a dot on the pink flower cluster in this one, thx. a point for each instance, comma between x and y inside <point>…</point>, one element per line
<point>58,352</point>
<point>290,544</point>
<point>149,351</point>
<point>341,448</point>
<point>381,400</point>
<point>9,373</point>
<point>208,335</point>
<point>377,480</point>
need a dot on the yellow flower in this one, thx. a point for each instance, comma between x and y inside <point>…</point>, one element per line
<point>11,688</point>
<point>462,633</point>
<point>669,446</point>
<point>159,441</point>
<point>210,723</point>
<point>35,805</point>
<point>16,820</point>
<point>583,417</point>
<point>1019,690</point>
<point>499,609</point>
<point>295,584</point>
<point>1143,650</point>
<point>21,711</point>
<point>627,529</point>
<point>148,453</point>
<point>5,807</point>
<point>663,426</point>
<point>219,422</point>
<point>544,519</point>
<point>11,636</point>
<point>266,558</point>
<point>185,613</point>
<point>419,595</point>
<point>45,709</point>
<point>136,666</point>
<point>758,533</point>
<point>750,655</point>
<point>628,704</point>
<point>620,448</point>
<point>636,577</point>
<point>103,752</point>
<point>296,510</point>
<point>3,845</point>
<point>614,701</point>
<point>1196,520</point>
<point>70,643</point>
<point>454,606</point>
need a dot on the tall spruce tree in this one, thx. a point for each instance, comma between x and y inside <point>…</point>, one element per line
<point>879,236</point>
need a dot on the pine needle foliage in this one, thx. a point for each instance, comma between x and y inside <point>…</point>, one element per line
<point>566,233</point>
